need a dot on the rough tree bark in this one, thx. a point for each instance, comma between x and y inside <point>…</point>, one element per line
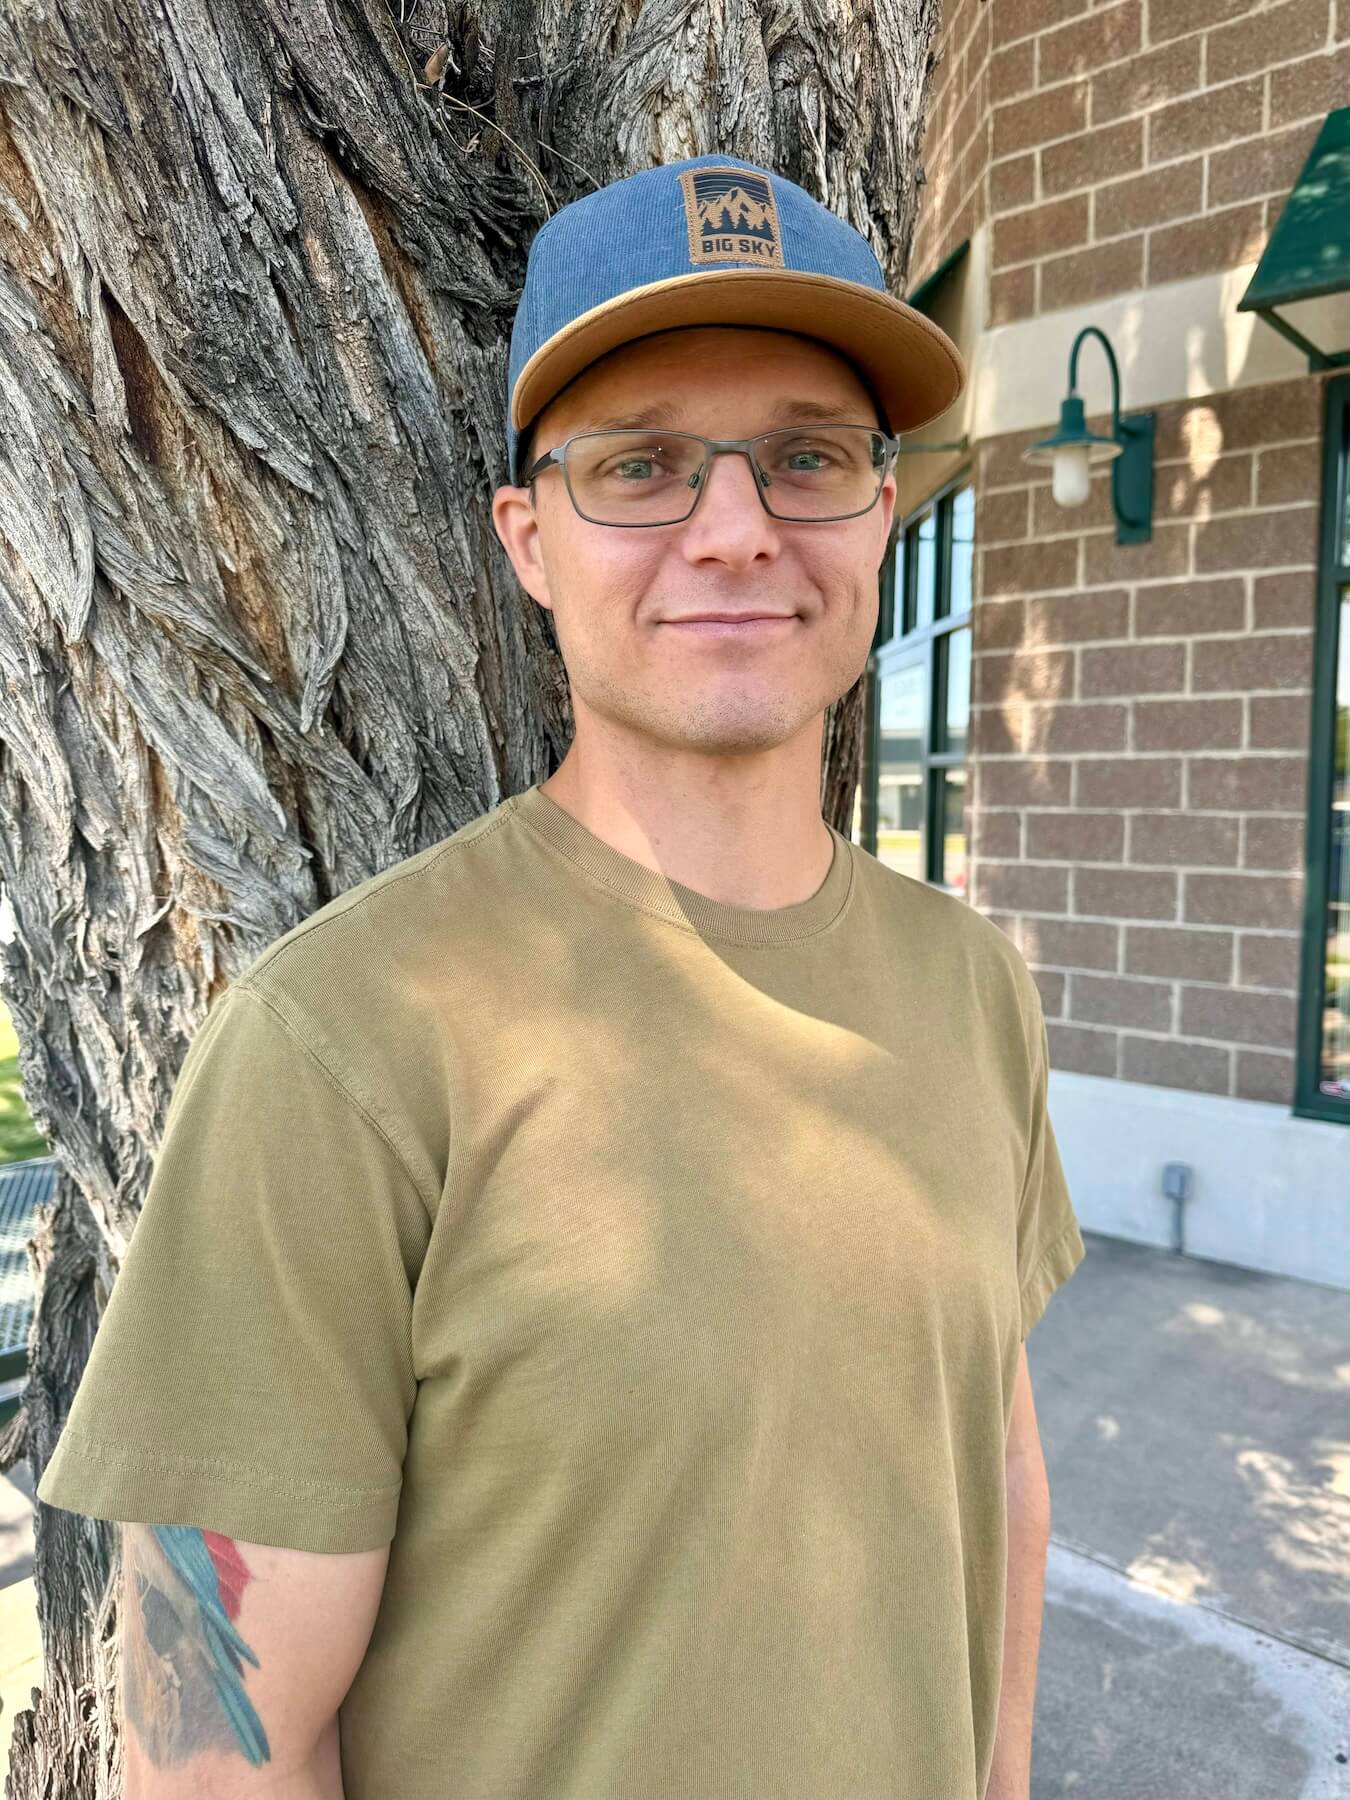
<point>257,268</point>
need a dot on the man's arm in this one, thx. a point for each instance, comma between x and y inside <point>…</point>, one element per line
<point>235,1658</point>
<point>1028,1542</point>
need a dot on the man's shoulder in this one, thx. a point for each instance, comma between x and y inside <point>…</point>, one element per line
<point>365,942</point>
<point>951,930</point>
<point>378,984</point>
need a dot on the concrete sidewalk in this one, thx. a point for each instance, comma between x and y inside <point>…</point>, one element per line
<point>1195,1643</point>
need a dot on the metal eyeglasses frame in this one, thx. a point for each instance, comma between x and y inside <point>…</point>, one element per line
<point>716,447</point>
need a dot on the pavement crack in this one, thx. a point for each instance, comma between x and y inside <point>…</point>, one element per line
<point>1339,1659</point>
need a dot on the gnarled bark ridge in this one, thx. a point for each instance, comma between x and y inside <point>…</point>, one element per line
<point>258,265</point>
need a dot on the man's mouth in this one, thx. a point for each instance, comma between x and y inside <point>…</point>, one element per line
<point>732,624</point>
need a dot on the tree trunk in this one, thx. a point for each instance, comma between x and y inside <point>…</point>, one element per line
<point>258,265</point>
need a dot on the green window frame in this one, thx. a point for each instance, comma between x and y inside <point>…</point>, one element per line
<point>910,809</point>
<point>1322,1085</point>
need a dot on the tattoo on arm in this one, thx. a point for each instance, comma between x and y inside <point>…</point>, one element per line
<point>181,1654</point>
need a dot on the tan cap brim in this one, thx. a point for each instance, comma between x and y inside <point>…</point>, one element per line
<point>914,368</point>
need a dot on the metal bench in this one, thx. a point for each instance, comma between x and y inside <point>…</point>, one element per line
<point>24,1186</point>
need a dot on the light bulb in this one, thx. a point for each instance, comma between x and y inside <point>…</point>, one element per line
<point>1069,475</point>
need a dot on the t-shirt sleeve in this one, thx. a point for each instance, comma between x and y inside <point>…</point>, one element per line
<point>252,1372</point>
<point>1049,1243</point>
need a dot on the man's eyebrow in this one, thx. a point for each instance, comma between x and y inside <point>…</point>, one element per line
<point>787,412</point>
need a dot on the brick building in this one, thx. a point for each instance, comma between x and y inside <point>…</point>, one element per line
<point>1133,756</point>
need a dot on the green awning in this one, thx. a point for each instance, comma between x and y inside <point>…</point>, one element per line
<point>1308,255</point>
<point>921,297</point>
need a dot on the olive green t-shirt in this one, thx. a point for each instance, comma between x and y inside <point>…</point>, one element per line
<point>651,1271</point>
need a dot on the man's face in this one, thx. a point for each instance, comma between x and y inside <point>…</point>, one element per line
<point>616,593</point>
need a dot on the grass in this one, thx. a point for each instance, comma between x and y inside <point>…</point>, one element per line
<point>19,1137</point>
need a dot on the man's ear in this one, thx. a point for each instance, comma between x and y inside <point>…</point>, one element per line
<point>517,526</point>
<point>890,489</point>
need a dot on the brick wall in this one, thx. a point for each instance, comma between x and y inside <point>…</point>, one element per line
<point>955,197</point>
<point>1116,145</point>
<point>1141,142</point>
<point>1139,734</point>
<point>1141,714</point>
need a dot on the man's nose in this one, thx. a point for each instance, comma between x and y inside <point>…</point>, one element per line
<point>729,521</point>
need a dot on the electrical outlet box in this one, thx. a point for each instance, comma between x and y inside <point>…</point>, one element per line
<point>1176,1181</point>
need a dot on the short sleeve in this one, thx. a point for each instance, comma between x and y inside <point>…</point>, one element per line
<point>1049,1243</point>
<point>252,1372</point>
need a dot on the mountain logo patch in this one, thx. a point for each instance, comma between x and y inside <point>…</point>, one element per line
<point>732,217</point>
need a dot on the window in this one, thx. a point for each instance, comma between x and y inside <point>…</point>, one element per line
<point>910,811</point>
<point>1323,1089</point>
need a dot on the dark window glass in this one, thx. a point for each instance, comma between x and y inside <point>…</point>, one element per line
<point>900,770</point>
<point>910,806</point>
<point>1322,1087</point>
<point>952,812</point>
<point>963,549</point>
<point>1334,1073</point>
<point>926,571</point>
<point>954,663</point>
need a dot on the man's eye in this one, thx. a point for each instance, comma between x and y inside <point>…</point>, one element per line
<point>804,459</point>
<point>636,469</point>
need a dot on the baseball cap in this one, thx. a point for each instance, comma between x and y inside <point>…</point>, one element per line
<point>714,240</point>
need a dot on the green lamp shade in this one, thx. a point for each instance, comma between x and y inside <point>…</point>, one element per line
<point>1073,430</point>
<point>1070,451</point>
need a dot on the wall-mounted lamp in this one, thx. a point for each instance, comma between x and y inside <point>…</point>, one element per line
<point>1129,449</point>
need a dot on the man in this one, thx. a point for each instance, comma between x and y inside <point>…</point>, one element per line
<point>626,1215</point>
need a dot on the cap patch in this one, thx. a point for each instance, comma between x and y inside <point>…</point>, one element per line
<point>732,217</point>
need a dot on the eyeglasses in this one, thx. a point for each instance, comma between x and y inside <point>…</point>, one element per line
<point>802,473</point>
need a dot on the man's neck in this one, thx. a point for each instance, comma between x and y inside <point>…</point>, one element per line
<point>763,848</point>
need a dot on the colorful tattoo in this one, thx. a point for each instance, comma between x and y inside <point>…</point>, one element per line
<point>181,1654</point>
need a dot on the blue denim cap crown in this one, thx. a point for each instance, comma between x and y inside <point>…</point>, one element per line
<point>709,216</point>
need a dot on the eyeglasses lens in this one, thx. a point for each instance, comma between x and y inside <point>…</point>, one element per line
<point>653,478</point>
